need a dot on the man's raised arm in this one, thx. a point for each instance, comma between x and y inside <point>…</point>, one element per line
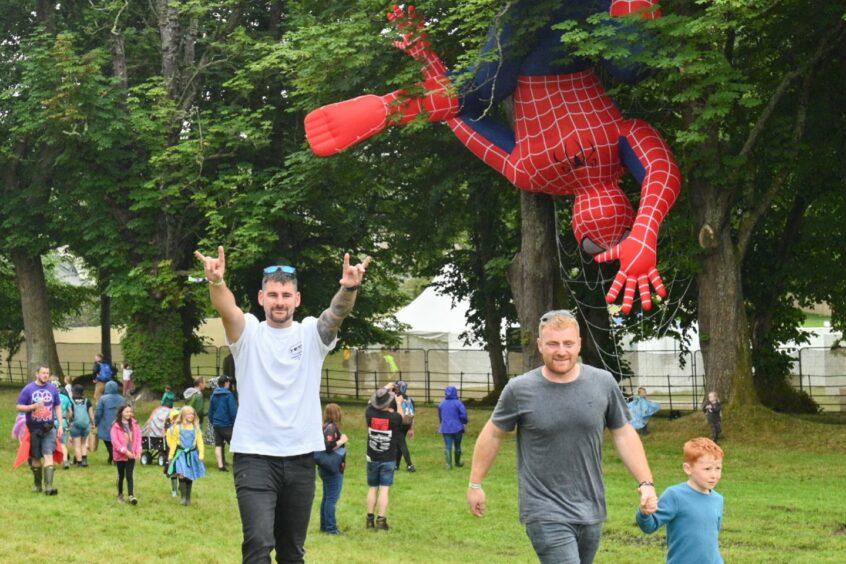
<point>221,297</point>
<point>332,317</point>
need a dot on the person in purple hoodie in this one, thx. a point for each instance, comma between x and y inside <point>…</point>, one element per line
<point>453,417</point>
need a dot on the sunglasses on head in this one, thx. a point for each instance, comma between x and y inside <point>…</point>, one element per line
<point>280,267</point>
<point>555,313</point>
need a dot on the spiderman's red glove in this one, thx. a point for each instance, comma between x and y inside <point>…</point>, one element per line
<point>637,257</point>
<point>414,40</point>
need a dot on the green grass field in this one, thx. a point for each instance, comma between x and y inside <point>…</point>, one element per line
<point>784,484</point>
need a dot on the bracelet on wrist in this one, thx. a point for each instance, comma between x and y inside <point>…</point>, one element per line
<point>353,289</point>
<point>474,486</point>
<point>220,282</point>
<point>645,483</point>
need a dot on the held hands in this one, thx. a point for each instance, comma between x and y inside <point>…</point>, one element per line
<point>648,500</point>
<point>214,268</point>
<point>637,268</point>
<point>352,276</point>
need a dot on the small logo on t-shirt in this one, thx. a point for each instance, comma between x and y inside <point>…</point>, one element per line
<point>296,351</point>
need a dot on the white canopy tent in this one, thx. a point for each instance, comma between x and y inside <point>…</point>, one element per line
<point>435,324</point>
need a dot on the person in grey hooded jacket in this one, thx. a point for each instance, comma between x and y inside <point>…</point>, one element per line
<point>106,413</point>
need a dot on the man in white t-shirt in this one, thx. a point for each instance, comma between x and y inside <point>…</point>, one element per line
<point>279,425</point>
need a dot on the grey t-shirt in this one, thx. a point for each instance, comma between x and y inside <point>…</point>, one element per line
<point>560,430</point>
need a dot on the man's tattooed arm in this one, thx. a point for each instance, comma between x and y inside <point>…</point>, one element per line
<point>330,320</point>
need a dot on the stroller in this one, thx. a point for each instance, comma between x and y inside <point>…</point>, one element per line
<point>153,445</point>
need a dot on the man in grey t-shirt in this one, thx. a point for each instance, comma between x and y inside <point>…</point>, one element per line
<point>560,411</point>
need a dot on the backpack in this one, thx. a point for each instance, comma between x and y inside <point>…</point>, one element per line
<point>105,372</point>
<point>408,407</point>
<point>81,420</point>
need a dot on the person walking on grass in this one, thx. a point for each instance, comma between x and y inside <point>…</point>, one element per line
<point>105,414</point>
<point>222,412</point>
<point>186,451</point>
<point>126,448</point>
<point>692,510</point>
<point>102,373</point>
<point>452,415</point>
<point>560,412</point>
<point>278,364</point>
<point>713,412</point>
<point>39,401</point>
<point>331,463</point>
<point>385,417</point>
<point>66,404</point>
<point>407,428</point>
<point>82,423</point>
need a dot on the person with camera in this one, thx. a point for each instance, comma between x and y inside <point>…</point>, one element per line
<point>385,417</point>
<point>400,389</point>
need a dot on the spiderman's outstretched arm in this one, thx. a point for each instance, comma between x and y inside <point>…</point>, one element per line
<point>649,159</point>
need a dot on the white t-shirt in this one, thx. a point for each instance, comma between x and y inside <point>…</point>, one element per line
<point>127,374</point>
<point>278,373</point>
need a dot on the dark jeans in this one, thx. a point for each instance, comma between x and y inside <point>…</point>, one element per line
<point>332,484</point>
<point>108,449</point>
<point>402,450</point>
<point>453,439</point>
<point>275,494</point>
<point>125,468</point>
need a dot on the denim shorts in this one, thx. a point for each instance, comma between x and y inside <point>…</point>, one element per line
<point>77,433</point>
<point>42,442</point>
<point>381,473</point>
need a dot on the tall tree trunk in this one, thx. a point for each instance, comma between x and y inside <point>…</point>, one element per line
<point>532,273</point>
<point>723,323</point>
<point>105,322</point>
<point>40,344</point>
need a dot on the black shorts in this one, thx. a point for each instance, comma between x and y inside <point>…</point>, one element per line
<point>222,434</point>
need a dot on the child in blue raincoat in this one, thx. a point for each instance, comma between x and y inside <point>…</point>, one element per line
<point>641,410</point>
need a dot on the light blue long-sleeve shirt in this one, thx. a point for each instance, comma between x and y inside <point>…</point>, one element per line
<point>693,522</point>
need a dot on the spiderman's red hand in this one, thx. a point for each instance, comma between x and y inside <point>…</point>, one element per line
<point>415,41</point>
<point>411,27</point>
<point>637,268</point>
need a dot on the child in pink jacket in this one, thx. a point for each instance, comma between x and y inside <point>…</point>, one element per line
<point>126,446</point>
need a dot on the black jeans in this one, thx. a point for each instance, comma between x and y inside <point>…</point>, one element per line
<point>274,497</point>
<point>402,446</point>
<point>126,468</point>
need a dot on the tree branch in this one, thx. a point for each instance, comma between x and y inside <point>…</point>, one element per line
<point>826,46</point>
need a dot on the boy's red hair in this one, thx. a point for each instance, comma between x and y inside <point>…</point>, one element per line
<point>694,449</point>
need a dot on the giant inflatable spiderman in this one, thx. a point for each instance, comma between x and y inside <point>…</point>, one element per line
<point>569,138</point>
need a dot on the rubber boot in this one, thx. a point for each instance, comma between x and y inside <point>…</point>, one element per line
<point>188,484</point>
<point>183,492</point>
<point>448,458</point>
<point>458,462</point>
<point>48,481</point>
<point>37,476</point>
<point>174,487</point>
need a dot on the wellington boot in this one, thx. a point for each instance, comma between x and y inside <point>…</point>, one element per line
<point>48,481</point>
<point>458,462</point>
<point>183,492</point>
<point>174,487</point>
<point>37,476</point>
<point>188,486</point>
<point>448,458</point>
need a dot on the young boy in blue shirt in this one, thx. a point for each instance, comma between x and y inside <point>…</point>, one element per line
<point>692,511</point>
